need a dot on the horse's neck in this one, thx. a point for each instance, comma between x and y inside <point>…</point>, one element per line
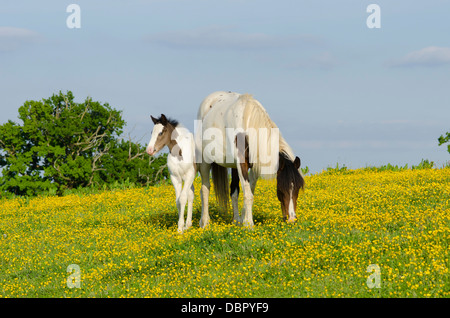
<point>172,141</point>
<point>180,133</point>
<point>184,139</point>
<point>171,144</point>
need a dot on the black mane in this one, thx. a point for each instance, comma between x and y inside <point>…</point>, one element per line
<point>171,121</point>
<point>288,174</point>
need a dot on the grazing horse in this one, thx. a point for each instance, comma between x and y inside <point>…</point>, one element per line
<point>234,131</point>
<point>180,161</point>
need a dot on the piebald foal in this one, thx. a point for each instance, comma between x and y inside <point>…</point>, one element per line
<point>180,162</point>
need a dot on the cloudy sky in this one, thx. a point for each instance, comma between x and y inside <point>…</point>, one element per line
<point>339,91</point>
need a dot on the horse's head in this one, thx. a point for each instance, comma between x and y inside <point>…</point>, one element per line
<point>161,134</point>
<point>289,182</point>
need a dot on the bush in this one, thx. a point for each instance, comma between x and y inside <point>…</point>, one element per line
<point>424,164</point>
<point>65,145</point>
<point>127,160</point>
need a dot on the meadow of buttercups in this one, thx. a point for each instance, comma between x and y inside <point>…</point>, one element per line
<point>126,244</point>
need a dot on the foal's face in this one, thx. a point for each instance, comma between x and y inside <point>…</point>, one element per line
<point>289,182</point>
<point>160,138</point>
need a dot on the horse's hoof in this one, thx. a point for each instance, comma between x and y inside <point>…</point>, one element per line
<point>187,227</point>
<point>291,220</point>
<point>248,224</point>
<point>203,223</point>
<point>237,222</point>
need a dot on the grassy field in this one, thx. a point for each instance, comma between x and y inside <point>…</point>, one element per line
<point>125,242</point>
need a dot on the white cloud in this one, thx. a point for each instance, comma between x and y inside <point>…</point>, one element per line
<point>12,38</point>
<point>226,37</point>
<point>429,56</point>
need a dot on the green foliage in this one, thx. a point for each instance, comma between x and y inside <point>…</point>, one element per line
<point>128,161</point>
<point>388,167</point>
<point>336,170</point>
<point>442,140</point>
<point>65,145</point>
<point>424,164</point>
<point>305,170</point>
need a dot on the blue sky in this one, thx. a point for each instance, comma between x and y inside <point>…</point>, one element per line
<point>339,91</point>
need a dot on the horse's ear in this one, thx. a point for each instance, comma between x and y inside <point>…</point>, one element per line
<point>297,163</point>
<point>153,119</point>
<point>163,119</point>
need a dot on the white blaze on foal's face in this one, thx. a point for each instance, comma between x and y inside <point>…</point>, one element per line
<point>157,141</point>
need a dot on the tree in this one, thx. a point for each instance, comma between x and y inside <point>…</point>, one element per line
<point>59,144</point>
<point>442,140</point>
<point>63,145</point>
<point>127,160</point>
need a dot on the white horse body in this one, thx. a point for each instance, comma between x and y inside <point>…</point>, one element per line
<point>230,112</point>
<point>183,170</point>
<point>223,116</point>
<point>181,166</point>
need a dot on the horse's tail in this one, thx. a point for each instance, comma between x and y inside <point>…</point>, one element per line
<point>220,181</point>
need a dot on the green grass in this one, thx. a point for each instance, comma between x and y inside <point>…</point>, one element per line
<point>126,244</point>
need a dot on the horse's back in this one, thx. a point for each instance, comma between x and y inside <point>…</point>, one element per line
<point>214,99</point>
<point>226,112</point>
<point>223,111</point>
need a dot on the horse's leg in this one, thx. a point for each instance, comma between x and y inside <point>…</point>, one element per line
<point>247,218</point>
<point>242,168</point>
<point>204,173</point>
<point>253,180</point>
<point>177,184</point>
<point>234,193</point>
<point>188,192</point>
<point>190,205</point>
